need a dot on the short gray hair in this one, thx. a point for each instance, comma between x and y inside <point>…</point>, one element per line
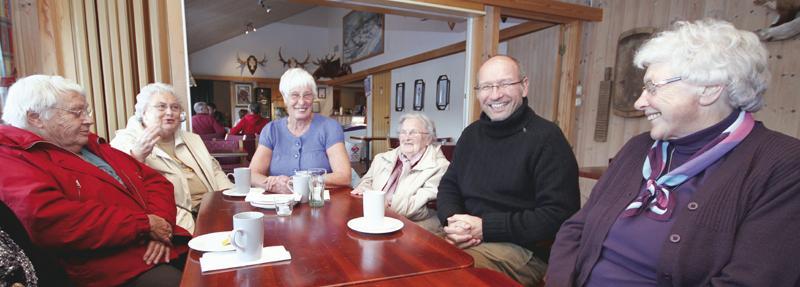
<point>36,94</point>
<point>295,78</point>
<point>199,107</point>
<point>430,127</point>
<point>713,52</point>
<point>143,98</point>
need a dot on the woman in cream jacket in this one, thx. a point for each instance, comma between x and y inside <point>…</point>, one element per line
<point>410,174</point>
<point>153,136</point>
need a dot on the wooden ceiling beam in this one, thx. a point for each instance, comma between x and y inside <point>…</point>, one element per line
<point>390,7</point>
<point>545,10</point>
<point>505,34</point>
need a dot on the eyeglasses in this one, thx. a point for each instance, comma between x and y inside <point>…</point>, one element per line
<point>77,112</point>
<point>411,133</point>
<point>163,107</point>
<point>488,88</point>
<point>651,87</point>
<point>306,96</point>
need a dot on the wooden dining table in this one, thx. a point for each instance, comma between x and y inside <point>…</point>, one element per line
<point>473,277</point>
<point>324,250</point>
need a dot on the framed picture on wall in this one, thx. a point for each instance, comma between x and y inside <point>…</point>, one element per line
<point>322,92</point>
<point>238,114</point>
<point>315,107</point>
<point>243,94</point>
<point>399,97</point>
<point>362,35</point>
<point>419,94</point>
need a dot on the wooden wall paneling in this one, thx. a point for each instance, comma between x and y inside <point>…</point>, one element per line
<point>48,31</point>
<point>126,60</point>
<point>115,33</point>
<point>81,54</point>
<point>94,65</point>
<point>381,91</point>
<point>159,41</point>
<point>178,58</point>
<point>534,51</point>
<point>27,50</point>
<point>107,64</point>
<point>64,34</point>
<point>491,39</point>
<point>141,38</point>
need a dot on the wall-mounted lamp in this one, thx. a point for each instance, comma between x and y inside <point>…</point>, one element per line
<point>399,97</point>
<point>442,93</point>
<point>419,94</point>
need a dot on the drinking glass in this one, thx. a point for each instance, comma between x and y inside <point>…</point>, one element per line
<point>317,187</point>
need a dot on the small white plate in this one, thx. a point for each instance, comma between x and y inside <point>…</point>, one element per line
<point>231,192</point>
<point>270,205</point>
<point>268,200</point>
<point>389,225</point>
<point>211,242</point>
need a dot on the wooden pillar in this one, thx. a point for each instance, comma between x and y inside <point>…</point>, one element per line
<point>483,37</point>
<point>567,77</point>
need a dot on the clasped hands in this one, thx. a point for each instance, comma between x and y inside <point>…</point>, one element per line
<point>464,230</point>
<point>160,240</point>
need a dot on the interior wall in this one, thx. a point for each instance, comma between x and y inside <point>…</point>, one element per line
<point>782,103</point>
<point>536,53</point>
<point>449,122</point>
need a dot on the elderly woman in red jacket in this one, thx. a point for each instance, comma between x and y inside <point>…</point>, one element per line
<point>106,218</point>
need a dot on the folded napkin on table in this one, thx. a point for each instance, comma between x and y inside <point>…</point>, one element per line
<point>228,259</point>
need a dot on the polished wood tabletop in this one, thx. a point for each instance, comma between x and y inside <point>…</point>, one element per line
<point>473,277</point>
<point>324,250</point>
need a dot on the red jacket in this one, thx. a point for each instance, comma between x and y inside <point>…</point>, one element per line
<point>250,124</point>
<point>206,125</point>
<point>96,227</point>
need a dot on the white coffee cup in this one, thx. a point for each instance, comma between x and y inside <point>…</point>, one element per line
<point>248,235</point>
<point>300,185</point>
<point>241,180</point>
<point>374,207</point>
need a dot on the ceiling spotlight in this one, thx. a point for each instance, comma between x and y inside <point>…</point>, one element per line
<point>249,28</point>
<point>265,6</point>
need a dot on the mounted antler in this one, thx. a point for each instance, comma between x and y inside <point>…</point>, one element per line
<point>280,57</point>
<point>305,62</point>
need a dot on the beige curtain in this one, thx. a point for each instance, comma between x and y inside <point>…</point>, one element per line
<point>111,48</point>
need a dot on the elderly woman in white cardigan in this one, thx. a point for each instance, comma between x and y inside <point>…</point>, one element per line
<point>410,174</point>
<point>153,136</point>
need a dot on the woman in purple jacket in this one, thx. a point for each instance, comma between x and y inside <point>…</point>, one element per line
<point>711,196</point>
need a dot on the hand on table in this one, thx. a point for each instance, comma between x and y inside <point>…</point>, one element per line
<point>155,251</point>
<point>277,184</point>
<point>357,191</point>
<point>160,229</point>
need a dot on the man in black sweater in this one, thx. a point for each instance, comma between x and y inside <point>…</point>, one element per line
<point>513,179</point>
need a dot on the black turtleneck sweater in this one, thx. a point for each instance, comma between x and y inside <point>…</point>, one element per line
<point>518,175</point>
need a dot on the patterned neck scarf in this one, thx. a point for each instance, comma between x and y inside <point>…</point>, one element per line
<point>656,200</point>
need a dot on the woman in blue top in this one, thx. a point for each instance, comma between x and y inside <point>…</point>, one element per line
<point>300,141</point>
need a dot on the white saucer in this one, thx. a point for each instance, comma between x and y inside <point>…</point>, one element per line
<point>268,200</point>
<point>389,225</point>
<point>231,192</point>
<point>211,242</point>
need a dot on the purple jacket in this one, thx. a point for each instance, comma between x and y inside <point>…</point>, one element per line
<point>741,227</point>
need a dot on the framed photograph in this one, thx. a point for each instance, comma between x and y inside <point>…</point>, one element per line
<point>322,92</point>
<point>368,86</point>
<point>238,114</point>
<point>315,107</point>
<point>419,94</point>
<point>362,35</point>
<point>262,95</point>
<point>399,97</point>
<point>442,93</point>
<point>243,94</point>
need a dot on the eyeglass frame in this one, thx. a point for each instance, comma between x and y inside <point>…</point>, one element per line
<point>79,114</point>
<point>412,133</point>
<point>162,107</point>
<point>653,87</point>
<point>488,88</point>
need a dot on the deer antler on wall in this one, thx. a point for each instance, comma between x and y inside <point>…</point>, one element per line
<point>293,62</point>
<point>251,63</point>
